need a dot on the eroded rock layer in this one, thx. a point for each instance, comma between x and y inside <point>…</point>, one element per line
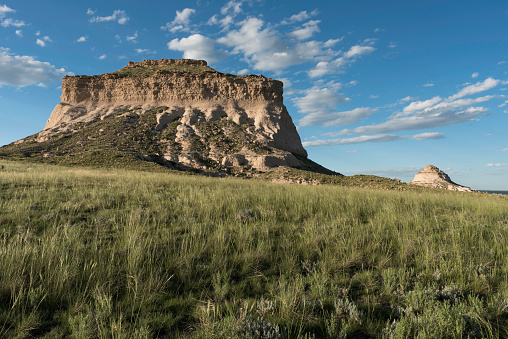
<point>189,114</point>
<point>433,177</point>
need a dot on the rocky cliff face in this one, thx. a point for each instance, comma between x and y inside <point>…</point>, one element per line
<point>431,176</point>
<point>188,115</point>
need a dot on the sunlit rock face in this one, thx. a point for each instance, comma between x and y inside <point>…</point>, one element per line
<point>431,176</point>
<point>189,97</point>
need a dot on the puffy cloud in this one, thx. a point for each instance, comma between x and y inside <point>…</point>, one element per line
<point>319,100</point>
<point>118,15</point>
<point>319,104</point>
<point>42,42</point>
<point>358,51</point>
<point>251,39</point>
<point>10,22</point>
<point>197,46</point>
<point>4,9</point>
<point>419,105</point>
<point>82,39</point>
<point>475,75</point>
<point>332,42</point>
<point>19,33</point>
<point>91,11</point>
<point>429,84</point>
<point>336,118</point>
<point>181,21</point>
<point>434,112</point>
<point>233,7</point>
<point>265,50</point>
<point>335,66</point>
<point>476,88</point>
<point>303,15</point>
<point>132,38</point>
<point>22,70</point>
<point>356,140</point>
<point>104,56</point>
<point>308,29</point>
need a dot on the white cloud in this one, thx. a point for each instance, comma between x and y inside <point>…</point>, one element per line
<point>356,140</point>
<point>91,11</point>
<point>243,71</point>
<point>505,150</point>
<point>392,44</point>
<point>353,151</point>
<point>429,84</point>
<point>303,15</point>
<point>332,42</point>
<point>233,7</point>
<point>4,9</point>
<point>324,67</point>
<point>181,21</point>
<point>104,56</point>
<point>118,15</point>
<point>308,29</point>
<point>419,105</point>
<point>251,39</point>
<point>372,138</point>
<point>197,46</point>
<point>476,88</point>
<point>377,30</point>
<point>19,33</point>
<point>42,42</point>
<point>428,136</point>
<point>430,118</point>
<point>408,98</point>
<point>145,51</point>
<point>132,38</point>
<point>22,70</point>
<point>475,75</point>
<point>319,104</point>
<point>496,165</point>
<point>82,39</point>
<point>373,96</point>
<point>358,51</point>
<point>319,100</point>
<point>10,22</point>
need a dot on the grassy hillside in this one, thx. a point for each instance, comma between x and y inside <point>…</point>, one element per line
<point>115,253</point>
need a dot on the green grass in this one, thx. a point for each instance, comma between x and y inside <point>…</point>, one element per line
<point>88,253</point>
<point>149,71</point>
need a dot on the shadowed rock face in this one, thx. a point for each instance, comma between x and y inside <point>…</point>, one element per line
<point>433,177</point>
<point>196,113</point>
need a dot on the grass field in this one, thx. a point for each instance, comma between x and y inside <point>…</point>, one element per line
<point>88,253</point>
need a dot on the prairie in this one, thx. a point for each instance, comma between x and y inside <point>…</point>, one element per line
<point>117,253</point>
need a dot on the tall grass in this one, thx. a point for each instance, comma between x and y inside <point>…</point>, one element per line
<point>100,254</point>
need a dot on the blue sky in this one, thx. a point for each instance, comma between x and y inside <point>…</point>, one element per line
<point>374,87</point>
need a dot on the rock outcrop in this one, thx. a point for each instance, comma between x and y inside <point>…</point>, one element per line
<point>177,113</point>
<point>433,177</point>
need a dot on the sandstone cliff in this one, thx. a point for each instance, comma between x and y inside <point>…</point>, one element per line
<point>176,113</point>
<point>433,177</point>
